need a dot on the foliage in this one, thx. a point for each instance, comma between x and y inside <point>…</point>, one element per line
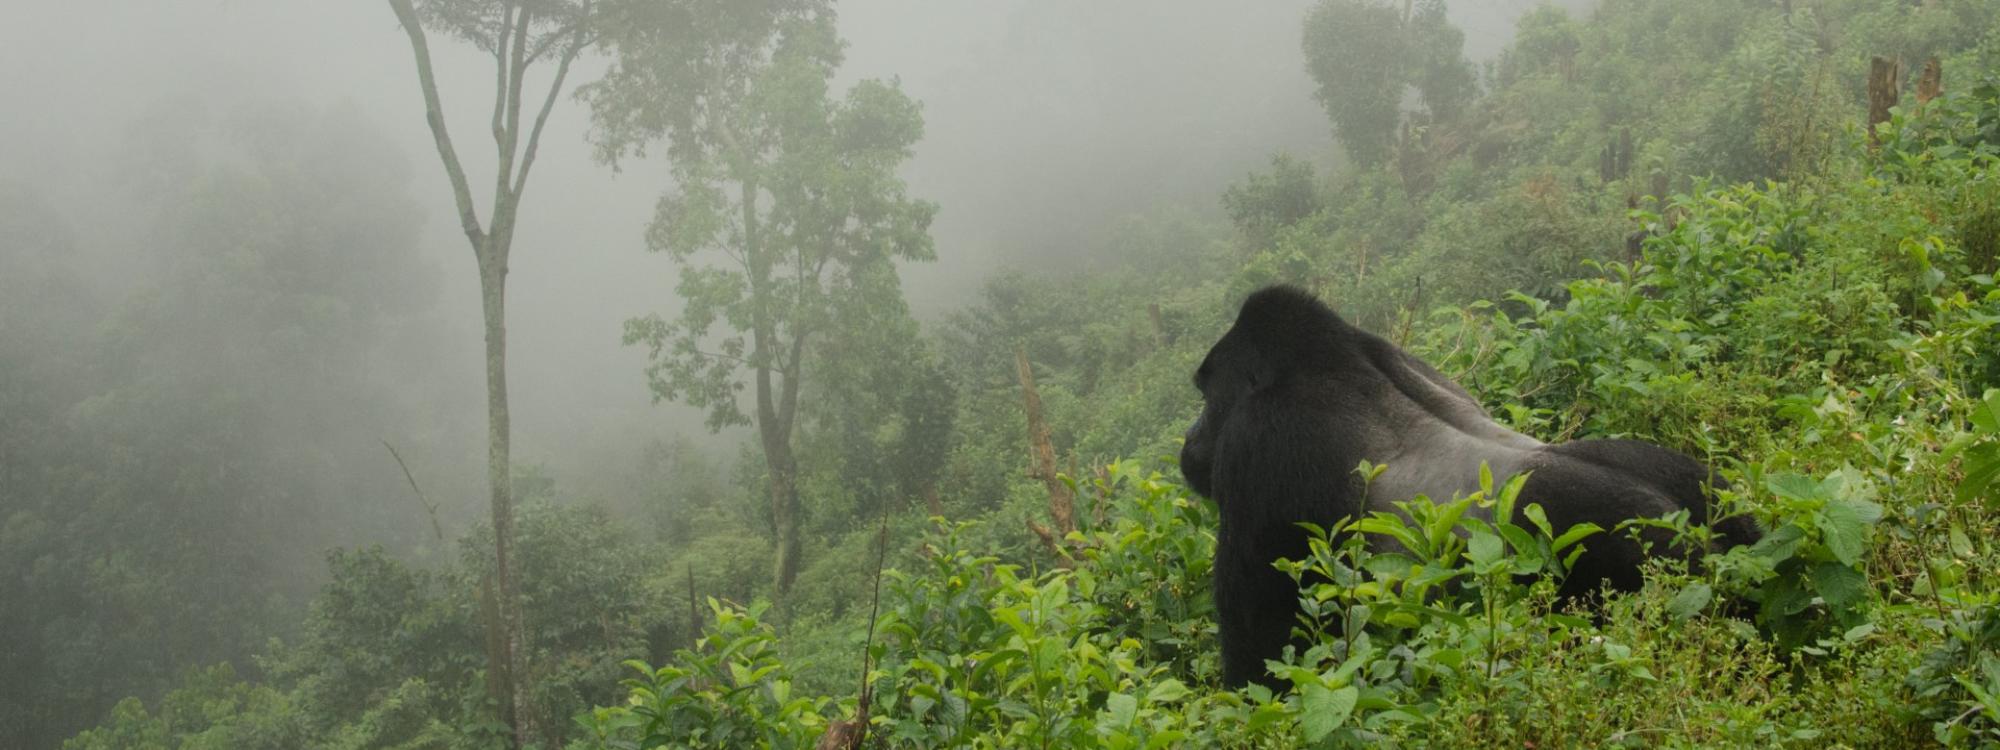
<point>815,223</point>
<point>150,517</point>
<point>729,691</point>
<point>1828,336</point>
<point>394,656</point>
<point>798,195</point>
<point>1957,685</point>
<point>1263,204</point>
<point>1453,642</point>
<point>1680,236</point>
<point>1812,559</point>
<point>1366,54</point>
<point>211,710</point>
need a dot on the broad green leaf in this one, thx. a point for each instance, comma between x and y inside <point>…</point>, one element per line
<point>1783,597</point>
<point>1792,486</point>
<point>1265,715</point>
<point>1844,525</point>
<point>1167,691</point>
<point>1321,710</point>
<point>1690,601</point>
<point>1520,539</point>
<point>1573,534</point>
<point>1858,632</point>
<point>1986,415</point>
<point>1485,547</point>
<point>1122,707</point>
<point>1363,655</point>
<point>1839,585</point>
<point>1388,565</point>
<point>1961,545</point>
<point>1383,524</point>
<point>1540,518</point>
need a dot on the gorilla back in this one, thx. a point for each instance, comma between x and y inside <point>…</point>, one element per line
<point>1295,398</point>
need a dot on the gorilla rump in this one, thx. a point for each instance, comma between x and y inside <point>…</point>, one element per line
<point>1295,399</point>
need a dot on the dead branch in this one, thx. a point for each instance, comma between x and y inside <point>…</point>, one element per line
<point>848,734</point>
<point>429,507</point>
<point>1062,502</point>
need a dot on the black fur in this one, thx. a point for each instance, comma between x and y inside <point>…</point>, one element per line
<point>1295,398</point>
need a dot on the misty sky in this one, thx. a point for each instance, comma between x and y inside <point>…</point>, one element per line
<point>1046,120</point>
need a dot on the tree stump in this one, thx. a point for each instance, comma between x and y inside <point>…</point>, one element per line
<point>1882,93</point>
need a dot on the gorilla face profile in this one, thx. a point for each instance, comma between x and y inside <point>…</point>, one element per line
<point>1295,398</point>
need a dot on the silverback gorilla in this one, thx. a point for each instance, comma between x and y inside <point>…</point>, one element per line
<point>1295,399</point>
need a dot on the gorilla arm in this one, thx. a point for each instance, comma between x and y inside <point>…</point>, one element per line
<point>1274,467</point>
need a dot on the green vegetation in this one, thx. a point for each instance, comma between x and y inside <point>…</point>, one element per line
<point>1660,220</point>
<point>800,195</point>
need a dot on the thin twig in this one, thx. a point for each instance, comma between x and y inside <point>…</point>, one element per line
<point>429,507</point>
<point>868,643</point>
<point>850,734</point>
<point>694,611</point>
<point>875,606</point>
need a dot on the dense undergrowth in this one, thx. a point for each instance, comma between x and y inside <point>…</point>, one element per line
<point>1833,349</point>
<point>1703,251</point>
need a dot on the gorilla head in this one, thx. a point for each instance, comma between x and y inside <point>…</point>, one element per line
<point>1295,398</point>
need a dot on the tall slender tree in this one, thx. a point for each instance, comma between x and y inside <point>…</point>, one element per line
<point>518,35</point>
<point>788,220</point>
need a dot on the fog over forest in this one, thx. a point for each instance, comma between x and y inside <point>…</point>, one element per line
<point>1045,122</point>
<point>918,344</point>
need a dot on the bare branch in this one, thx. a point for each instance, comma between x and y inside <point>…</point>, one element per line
<point>429,507</point>
<point>508,139</point>
<point>500,67</point>
<point>549,103</point>
<point>851,734</point>
<point>719,355</point>
<point>694,611</point>
<point>468,217</point>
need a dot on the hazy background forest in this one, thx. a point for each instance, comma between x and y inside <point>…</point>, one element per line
<point>245,498</point>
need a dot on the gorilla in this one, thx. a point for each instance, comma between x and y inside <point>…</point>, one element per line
<point>1295,398</point>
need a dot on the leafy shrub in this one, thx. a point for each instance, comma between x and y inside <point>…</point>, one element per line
<point>729,691</point>
<point>1807,574</point>
<point>211,710</point>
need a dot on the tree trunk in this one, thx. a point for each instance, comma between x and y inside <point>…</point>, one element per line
<point>499,476</point>
<point>775,411</point>
<point>784,511</point>
<point>497,688</point>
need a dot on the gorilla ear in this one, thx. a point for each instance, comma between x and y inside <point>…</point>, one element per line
<point>1258,370</point>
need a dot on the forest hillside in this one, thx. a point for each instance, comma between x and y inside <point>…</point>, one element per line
<point>1764,234</point>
